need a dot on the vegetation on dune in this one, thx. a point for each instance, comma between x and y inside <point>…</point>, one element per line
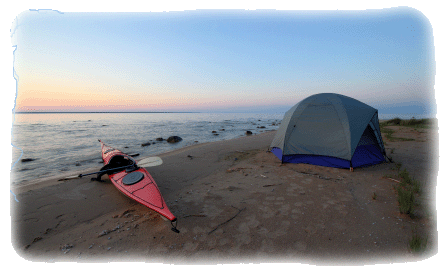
<point>411,123</point>
<point>407,191</point>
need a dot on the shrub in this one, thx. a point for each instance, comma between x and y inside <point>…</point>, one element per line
<point>395,121</point>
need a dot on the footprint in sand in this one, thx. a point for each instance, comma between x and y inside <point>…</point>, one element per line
<point>300,246</point>
<point>281,230</point>
<point>190,246</point>
<point>76,193</point>
<point>307,181</point>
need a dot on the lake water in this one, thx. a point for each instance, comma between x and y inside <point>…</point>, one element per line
<point>61,142</point>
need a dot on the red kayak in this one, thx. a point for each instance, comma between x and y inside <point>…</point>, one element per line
<point>135,182</point>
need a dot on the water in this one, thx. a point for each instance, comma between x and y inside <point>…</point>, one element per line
<point>62,142</point>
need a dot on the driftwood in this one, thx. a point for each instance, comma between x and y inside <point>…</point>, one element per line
<point>239,211</point>
<point>267,185</point>
<point>394,180</point>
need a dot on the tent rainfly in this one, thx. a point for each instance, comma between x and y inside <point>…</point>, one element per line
<point>330,130</point>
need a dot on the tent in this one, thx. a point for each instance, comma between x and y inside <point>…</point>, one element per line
<point>330,130</point>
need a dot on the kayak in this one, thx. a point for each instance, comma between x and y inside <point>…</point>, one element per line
<point>135,182</point>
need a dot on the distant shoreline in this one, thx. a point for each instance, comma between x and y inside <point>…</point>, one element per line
<point>104,112</point>
<point>168,112</point>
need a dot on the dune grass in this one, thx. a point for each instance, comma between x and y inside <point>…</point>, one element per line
<point>417,243</point>
<point>411,123</point>
<point>407,191</point>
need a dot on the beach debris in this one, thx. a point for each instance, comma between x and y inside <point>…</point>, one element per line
<point>248,133</point>
<point>66,248</point>
<point>229,170</point>
<point>394,180</point>
<point>267,185</point>
<point>239,211</point>
<point>105,232</point>
<point>321,177</point>
<point>91,246</point>
<point>190,157</point>
<point>232,188</point>
<point>126,213</point>
<point>47,231</point>
<point>174,139</point>
<point>194,216</point>
<point>263,176</point>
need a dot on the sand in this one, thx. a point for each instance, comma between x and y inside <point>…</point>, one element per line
<point>236,203</point>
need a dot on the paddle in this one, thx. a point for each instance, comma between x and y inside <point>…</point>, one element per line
<point>147,162</point>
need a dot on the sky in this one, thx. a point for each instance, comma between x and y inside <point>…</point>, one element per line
<point>222,60</point>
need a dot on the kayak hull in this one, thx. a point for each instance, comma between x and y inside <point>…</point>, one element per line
<point>137,184</point>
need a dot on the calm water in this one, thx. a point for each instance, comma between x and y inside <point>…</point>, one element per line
<point>65,142</point>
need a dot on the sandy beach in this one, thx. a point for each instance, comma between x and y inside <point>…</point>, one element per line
<point>236,203</point>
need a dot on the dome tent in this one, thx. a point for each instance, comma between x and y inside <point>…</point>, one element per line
<point>330,130</point>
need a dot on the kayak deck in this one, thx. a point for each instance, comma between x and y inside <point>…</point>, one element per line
<point>135,182</point>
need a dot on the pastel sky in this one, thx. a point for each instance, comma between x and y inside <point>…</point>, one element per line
<point>222,61</point>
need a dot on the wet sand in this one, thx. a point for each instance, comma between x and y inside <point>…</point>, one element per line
<point>236,203</point>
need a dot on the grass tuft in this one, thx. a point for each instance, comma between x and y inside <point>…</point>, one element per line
<point>417,244</point>
<point>406,200</point>
<point>406,191</point>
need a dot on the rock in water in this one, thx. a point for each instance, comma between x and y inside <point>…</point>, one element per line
<point>27,160</point>
<point>174,139</point>
<point>248,133</point>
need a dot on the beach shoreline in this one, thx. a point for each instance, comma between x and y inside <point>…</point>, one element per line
<point>54,180</point>
<point>235,202</point>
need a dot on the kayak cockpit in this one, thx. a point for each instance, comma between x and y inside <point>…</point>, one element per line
<point>121,161</point>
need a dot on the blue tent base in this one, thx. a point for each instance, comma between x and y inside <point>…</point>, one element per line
<point>364,155</point>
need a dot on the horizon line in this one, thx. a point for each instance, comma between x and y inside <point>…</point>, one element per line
<point>89,112</point>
